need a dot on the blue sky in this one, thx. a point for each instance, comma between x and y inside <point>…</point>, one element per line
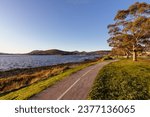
<point>27,25</point>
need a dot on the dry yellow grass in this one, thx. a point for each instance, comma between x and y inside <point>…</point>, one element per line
<point>21,80</point>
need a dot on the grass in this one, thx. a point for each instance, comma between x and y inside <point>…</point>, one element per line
<point>13,82</point>
<point>123,80</point>
<point>27,92</point>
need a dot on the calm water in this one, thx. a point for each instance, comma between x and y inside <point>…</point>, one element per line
<point>8,62</point>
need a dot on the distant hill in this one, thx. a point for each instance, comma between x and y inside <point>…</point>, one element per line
<point>4,54</point>
<point>51,52</point>
<point>61,52</point>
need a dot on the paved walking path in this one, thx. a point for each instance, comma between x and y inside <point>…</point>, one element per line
<point>73,87</point>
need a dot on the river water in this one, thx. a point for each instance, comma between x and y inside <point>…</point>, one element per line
<point>8,62</point>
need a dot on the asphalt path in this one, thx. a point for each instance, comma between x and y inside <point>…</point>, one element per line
<point>73,87</point>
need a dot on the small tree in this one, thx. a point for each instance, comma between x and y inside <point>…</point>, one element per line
<point>131,30</point>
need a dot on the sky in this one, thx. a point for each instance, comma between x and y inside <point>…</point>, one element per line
<point>70,25</point>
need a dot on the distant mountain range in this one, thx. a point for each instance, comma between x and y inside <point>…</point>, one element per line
<point>61,52</point>
<point>4,54</point>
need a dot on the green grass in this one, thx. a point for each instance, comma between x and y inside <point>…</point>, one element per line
<point>27,92</point>
<point>123,80</point>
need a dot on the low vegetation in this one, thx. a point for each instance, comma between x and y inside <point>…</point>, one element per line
<point>107,57</point>
<point>123,80</point>
<point>16,79</point>
<point>28,91</point>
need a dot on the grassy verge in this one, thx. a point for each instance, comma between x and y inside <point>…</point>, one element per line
<point>27,92</point>
<point>14,82</point>
<point>123,80</point>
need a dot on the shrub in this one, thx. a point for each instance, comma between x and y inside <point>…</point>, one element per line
<point>107,58</point>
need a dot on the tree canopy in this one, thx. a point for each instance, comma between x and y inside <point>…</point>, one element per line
<point>131,30</point>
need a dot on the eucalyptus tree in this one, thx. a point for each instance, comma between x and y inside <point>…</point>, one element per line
<point>131,30</point>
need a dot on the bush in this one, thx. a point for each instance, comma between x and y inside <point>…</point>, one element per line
<point>107,58</point>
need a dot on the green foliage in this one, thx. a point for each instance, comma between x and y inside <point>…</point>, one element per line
<point>131,30</point>
<point>107,58</point>
<point>123,80</point>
